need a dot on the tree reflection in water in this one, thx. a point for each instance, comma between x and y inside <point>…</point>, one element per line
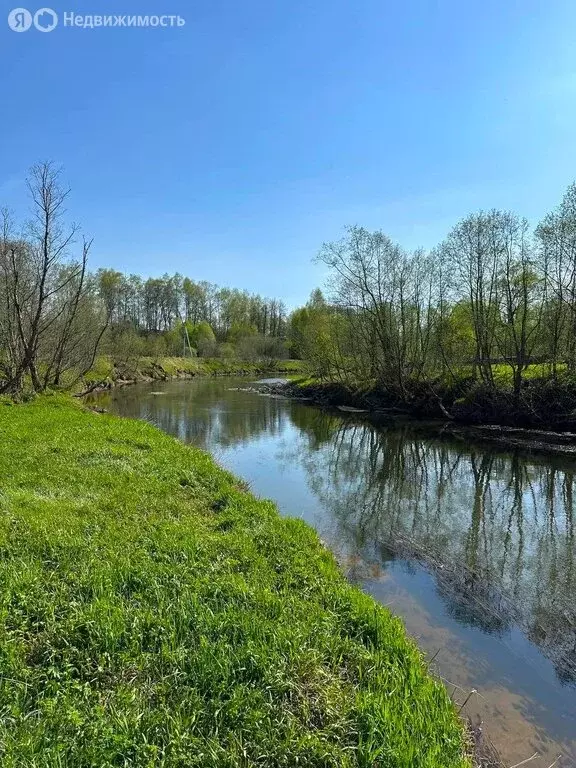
<point>495,529</point>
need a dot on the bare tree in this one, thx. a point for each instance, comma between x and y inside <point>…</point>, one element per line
<point>387,296</point>
<point>43,289</point>
<point>520,291</point>
<point>556,235</point>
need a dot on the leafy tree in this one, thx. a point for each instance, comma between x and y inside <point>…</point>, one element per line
<point>203,339</point>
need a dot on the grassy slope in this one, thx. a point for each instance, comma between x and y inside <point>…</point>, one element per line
<point>154,613</point>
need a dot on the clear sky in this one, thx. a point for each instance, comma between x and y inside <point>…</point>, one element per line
<point>228,149</point>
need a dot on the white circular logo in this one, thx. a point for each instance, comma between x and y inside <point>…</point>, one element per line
<point>45,19</point>
<point>19,20</point>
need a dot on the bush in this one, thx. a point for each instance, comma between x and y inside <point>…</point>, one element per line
<point>226,351</point>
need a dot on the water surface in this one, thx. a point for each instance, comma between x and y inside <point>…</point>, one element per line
<point>473,548</point>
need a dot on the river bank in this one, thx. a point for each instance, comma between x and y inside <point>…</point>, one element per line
<point>461,424</point>
<point>107,374</point>
<point>157,612</point>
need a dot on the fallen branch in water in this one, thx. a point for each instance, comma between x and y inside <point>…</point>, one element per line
<point>528,759</point>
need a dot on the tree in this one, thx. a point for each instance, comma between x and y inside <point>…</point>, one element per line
<point>203,339</point>
<point>45,291</point>
<point>521,307</point>
<point>384,299</point>
<point>473,249</point>
<point>556,236</point>
<point>241,330</point>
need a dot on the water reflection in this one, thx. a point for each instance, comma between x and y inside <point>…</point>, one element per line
<point>497,530</point>
<point>475,547</point>
<point>205,414</point>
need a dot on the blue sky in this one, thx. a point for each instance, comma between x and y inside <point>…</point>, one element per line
<point>230,148</point>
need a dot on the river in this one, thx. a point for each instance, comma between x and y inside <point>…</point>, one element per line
<point>472,547</point>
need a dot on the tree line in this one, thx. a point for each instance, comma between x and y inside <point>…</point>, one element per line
<point>491,304</point>
<point>492,301</point>
<point>176,315</point>
<point>157,304</point>
<point>56,315</point>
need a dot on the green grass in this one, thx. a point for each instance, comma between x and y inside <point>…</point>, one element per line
<point>154,613</point>
<point>301,380</point>
<point>503,373</point>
